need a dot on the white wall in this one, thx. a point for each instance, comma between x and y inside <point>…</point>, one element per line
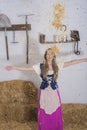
<point>73,79</point>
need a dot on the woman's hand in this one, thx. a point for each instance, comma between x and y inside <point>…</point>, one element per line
<point>85,59</point>
<point>9,68</point>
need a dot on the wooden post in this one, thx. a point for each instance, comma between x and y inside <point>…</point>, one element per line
<point>6,42</point>
<point>27,38</point>
<point>27,44</point>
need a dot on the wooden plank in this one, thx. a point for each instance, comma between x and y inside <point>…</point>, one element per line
<point>17,27</point>
<point>60,42</point>
<point>7,51</point>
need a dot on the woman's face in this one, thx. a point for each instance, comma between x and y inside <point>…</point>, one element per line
<point>49,55</point>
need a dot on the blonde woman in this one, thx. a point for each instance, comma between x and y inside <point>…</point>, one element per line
<point>49,102</point>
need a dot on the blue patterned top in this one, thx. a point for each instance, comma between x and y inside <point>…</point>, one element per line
<point>48,81</point>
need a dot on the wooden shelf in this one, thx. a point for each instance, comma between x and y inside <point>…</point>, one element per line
<point>17,27</point>
<point>52,42</point>
<point>76,51</point>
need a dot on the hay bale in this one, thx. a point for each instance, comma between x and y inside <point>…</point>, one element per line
<point>18,91</point>
<point>75,115</point>
<point>18,107</point>
<point>18,101</point>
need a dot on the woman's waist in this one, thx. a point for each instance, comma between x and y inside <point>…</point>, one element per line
<point>52,83</point>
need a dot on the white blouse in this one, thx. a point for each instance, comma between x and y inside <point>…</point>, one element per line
<point>36,67</point>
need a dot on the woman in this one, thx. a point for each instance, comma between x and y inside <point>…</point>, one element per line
<point>49,103</point>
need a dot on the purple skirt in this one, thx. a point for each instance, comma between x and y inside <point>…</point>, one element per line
<point>52,121</point>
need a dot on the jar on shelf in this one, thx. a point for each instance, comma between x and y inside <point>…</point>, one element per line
<point>42,38</point>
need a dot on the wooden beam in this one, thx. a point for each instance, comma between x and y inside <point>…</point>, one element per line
<point>17,27</point>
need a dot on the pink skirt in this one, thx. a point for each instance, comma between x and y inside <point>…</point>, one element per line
<point>52,121</point>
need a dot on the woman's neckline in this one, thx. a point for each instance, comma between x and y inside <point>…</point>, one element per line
<point>50,70</point>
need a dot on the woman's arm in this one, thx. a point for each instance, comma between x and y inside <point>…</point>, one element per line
<point>72,62</point>
<point>18,68</point>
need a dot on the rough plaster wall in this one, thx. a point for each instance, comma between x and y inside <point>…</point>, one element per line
<point>73,80</point>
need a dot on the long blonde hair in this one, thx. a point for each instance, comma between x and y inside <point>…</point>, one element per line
<point>45,67</point>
